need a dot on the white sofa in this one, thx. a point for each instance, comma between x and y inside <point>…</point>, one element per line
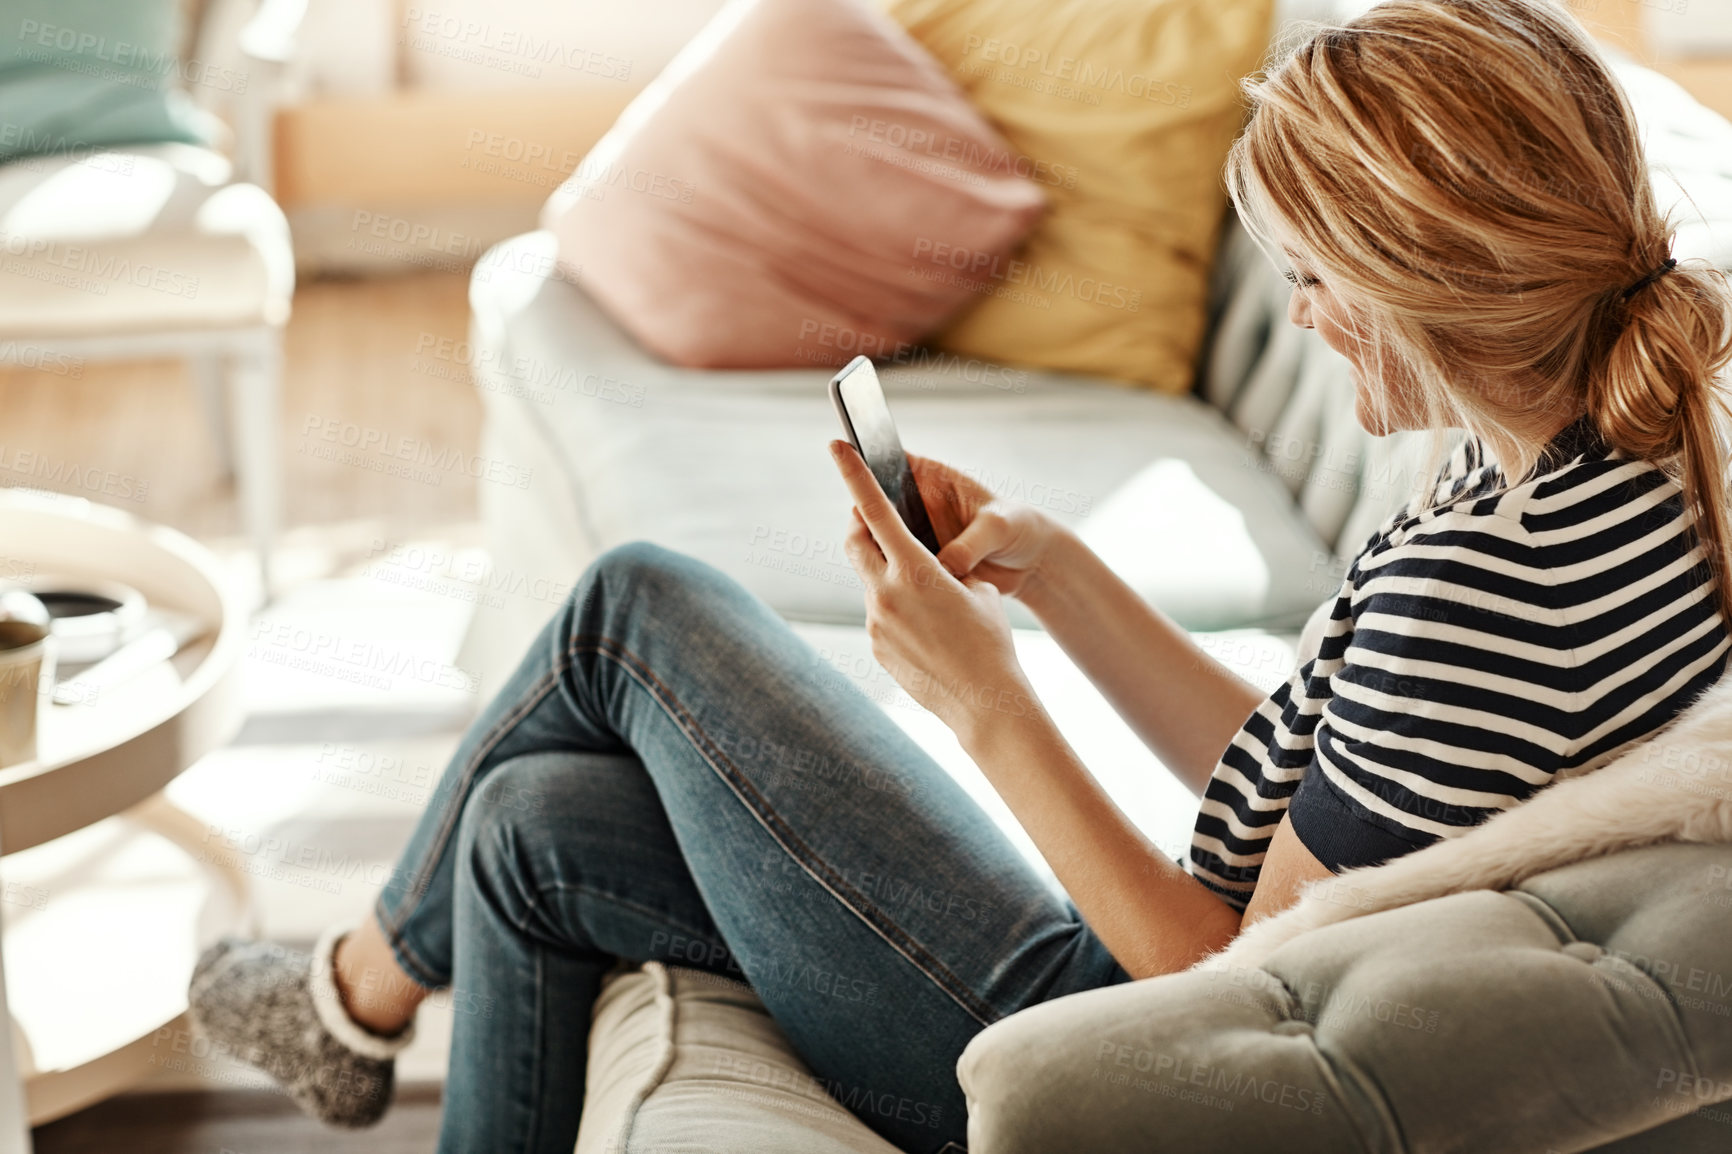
<point>1232,509</point>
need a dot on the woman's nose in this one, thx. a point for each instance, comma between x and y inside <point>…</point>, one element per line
<point>1299,310</point>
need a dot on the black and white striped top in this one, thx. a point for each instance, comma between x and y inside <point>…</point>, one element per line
<point>1476,650</point>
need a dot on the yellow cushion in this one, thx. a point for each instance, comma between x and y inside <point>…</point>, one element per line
<point>1124,110</point>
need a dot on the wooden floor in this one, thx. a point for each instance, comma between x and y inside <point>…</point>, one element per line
<point>236,1122</point>
<point>362,358</point>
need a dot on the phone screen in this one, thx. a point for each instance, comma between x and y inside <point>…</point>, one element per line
<point>866,419</point>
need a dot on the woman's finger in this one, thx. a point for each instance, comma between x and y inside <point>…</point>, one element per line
<point>882,520</point>
<point>929,472</point>
<point>966,489</point>
<point>944,504</point>
<point>863,551</point>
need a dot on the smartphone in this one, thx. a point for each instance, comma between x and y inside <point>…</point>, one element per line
<point>865,414</point>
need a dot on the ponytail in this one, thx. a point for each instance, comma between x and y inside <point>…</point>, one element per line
<point>1657,394</point>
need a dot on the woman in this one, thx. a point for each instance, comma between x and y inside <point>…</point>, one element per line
<point>671,774</point>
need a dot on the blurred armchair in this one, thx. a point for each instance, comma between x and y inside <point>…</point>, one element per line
<point>125,233</point>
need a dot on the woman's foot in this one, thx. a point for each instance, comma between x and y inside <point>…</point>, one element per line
<point>279,1010</point>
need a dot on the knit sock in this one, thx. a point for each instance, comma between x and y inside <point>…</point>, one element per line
<point>278,1009</point>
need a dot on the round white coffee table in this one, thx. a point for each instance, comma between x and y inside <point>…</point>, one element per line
<point>101,917</point>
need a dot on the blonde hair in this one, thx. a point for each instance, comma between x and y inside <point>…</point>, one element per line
<point>1467,178</point>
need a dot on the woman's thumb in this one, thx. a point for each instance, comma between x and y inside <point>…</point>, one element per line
<point>970,547</point>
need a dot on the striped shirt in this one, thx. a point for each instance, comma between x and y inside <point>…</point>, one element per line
<point>1477,649</point>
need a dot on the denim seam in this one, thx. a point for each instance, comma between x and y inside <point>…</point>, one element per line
<point>856,904</point>
<point>393,925</point>
<point>412,962</point>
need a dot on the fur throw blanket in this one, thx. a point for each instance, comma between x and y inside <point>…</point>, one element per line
<point>1673,787</point>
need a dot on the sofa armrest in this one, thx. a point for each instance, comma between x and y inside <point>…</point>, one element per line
<point>681,1060</point>
<point>1475,1022</point>
<point>1159,1065</point>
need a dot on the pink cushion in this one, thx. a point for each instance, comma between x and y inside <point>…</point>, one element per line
<point>773,199</point>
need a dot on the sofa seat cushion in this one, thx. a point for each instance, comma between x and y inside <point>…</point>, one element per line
<point>1479,1022</point>
<point>138,242</point>
<point>685,1062</point>
<point>731,467</point>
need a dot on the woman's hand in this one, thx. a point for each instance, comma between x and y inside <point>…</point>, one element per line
<point>945,640</point>
<point>1000,542</point>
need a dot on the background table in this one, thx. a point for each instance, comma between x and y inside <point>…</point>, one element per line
<point>102,919</point>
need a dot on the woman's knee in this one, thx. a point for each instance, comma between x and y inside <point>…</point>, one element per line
<point>639,564</point>
<point>642,577</point>
<point>501,824</point>
<point>545,818</point>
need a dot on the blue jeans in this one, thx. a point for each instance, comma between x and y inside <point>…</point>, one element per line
<point>673,775</point>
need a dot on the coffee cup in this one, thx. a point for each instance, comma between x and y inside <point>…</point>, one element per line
<point>26,671</point>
